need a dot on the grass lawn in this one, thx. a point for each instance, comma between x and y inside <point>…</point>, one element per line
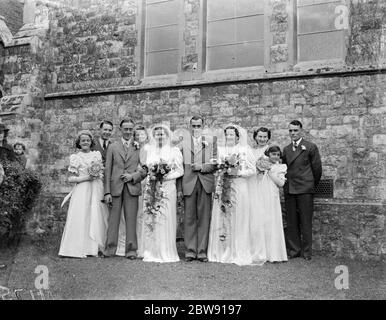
<point>119,278</point>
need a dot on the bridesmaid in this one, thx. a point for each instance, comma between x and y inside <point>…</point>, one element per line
<point>85,230</point>
<point>262,136</point>
<point>273,179</point>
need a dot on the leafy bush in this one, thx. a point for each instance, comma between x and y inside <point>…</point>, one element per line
<point>18,193</point>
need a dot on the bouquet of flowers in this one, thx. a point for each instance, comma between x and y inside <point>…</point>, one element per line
<point>154,195</point>
<point>159,170</point>
<point>263,164</point>
<point>227,168</point>
<point>95,170</point>
<point>230,165</point>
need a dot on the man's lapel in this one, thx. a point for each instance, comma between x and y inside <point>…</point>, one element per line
<point>121,149</point>
<point>296,153</point>
<point>130,151</point>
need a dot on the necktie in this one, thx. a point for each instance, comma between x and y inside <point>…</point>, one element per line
<point>294,146</point>
<point>104,144</point>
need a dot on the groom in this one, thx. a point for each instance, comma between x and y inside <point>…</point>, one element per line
<point>197,188</point>
<point>303,174</point>
<point>123,177</point>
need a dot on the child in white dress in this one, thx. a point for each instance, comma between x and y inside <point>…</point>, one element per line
<point>273,179</point>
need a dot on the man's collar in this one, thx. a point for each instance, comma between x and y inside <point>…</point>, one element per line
<point>124,141</point>
<point>297,142</point>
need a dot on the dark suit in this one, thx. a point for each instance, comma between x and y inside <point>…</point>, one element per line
<point>119,160</point>
<point>98,147</point>
<point>197,188</point>
<point>304,170</point>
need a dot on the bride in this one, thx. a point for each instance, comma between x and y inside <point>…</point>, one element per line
<point>229,237</point>
<point>159,223</point>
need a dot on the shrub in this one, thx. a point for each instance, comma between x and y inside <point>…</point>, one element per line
<point>18,194</point>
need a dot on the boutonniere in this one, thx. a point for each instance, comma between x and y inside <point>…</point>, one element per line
<point>136,145</point>
<point>205,144</point>
<point>303,147</point>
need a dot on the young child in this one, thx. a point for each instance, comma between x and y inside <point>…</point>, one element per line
<point>19,149</point>
<point>273,179</point>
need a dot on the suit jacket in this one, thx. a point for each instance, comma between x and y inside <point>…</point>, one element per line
<point>202,156</point>
<point>118,161</point>
<point>98,147</point>
<point>304,168</point>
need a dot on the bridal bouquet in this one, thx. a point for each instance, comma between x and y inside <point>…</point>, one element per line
<point>154,195</point>
<point>95,170</point>
<point>227,169</point>
<point>230,164</point>
<point>159,170</point>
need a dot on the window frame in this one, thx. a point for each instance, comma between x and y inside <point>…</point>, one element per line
<point>230,72</point>
<point>316,63</point>
<point>141,27</point>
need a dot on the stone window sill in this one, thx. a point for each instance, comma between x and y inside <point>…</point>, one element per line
<point>172,83</point>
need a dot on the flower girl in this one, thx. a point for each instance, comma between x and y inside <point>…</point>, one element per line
<point>85,230</point>
<point>273,179</point>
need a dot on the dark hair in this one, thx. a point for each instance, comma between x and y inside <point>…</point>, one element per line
<point>19,144</point>
<point>77,141</point>
<point>234,128</point>
<point>139,127</point>
<point>273,149</point>
<point>195,118</point>
<point>262,129</point>
<point>161,127</point>
<point>106,122</point>
<point>124,121</point>
<point>296,123</point>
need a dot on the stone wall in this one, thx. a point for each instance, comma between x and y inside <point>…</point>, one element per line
<point>343,115</point>
<point>85,66</point>
<point>12,11</point>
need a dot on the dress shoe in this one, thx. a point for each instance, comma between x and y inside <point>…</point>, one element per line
<point>2,266</point>
<point>189,259</point>
<point>132,257</point>
<point>203,259</point>
<point>293,256</point>
<point>308,258</point>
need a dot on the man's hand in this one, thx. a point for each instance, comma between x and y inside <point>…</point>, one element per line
<point>108,199</point>
<point>196,167</point>
<point>126,177</point>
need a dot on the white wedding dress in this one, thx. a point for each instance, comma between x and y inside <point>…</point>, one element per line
<point>229,237</point>
<point>85,230</point>
<point>159,231</point>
